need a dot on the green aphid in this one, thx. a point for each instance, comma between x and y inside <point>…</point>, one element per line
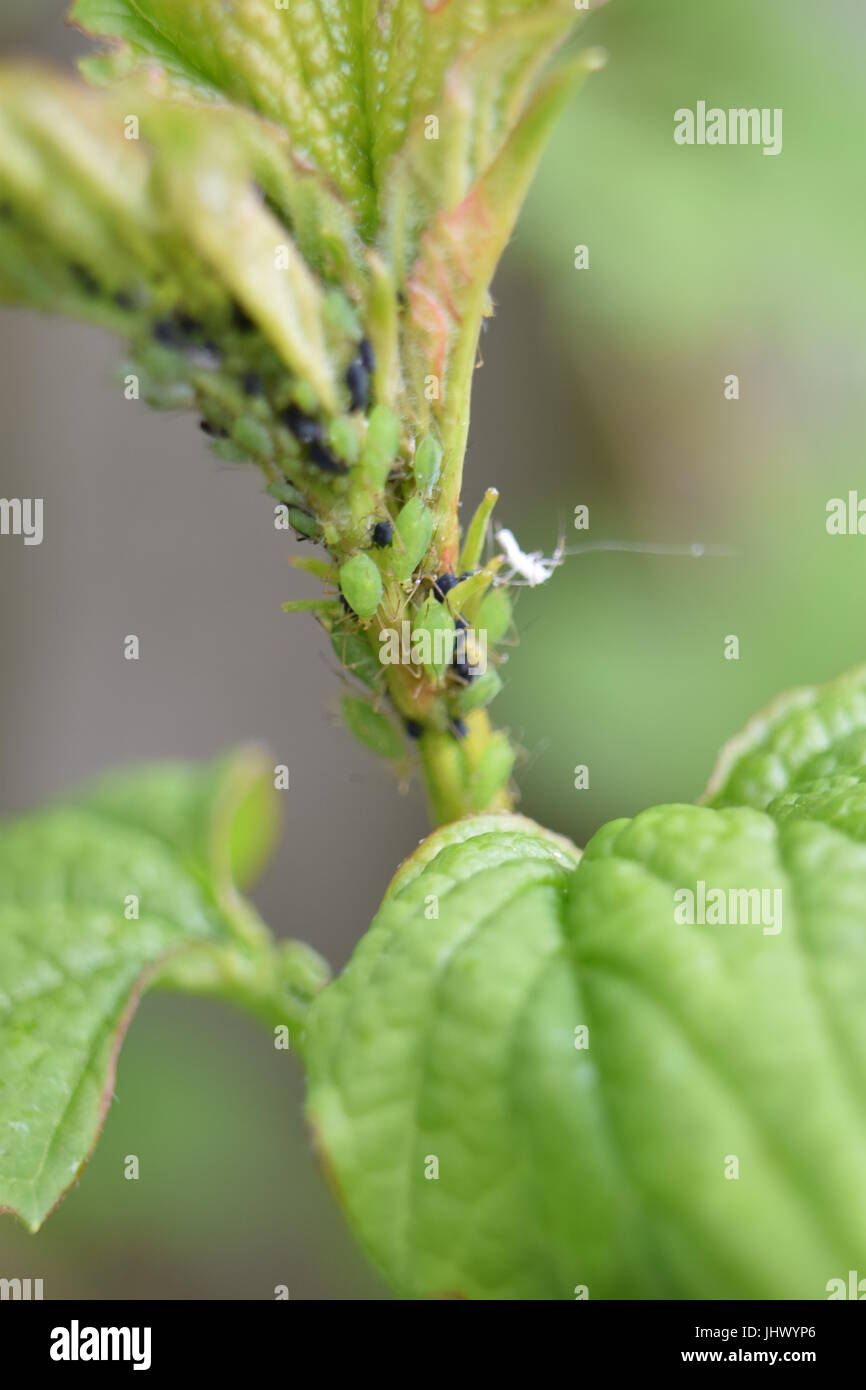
<point>305,397</point>
<point>433,636</point>
<point>343,439</point>
<point>361,585</point>
<point>340,315</point>
<point>494,616</point>
<point>169,395</point>
<point>356,656</point>
<point>427,464</point>
<point>252,436</point>
<point>373,729</point>
<point>492,773</point>
<point>304,523</point>
<point>161,363</point>
<point>380,446</point>
<point>284,491</point>
<point>228,451</point>
<point>476,695</point>
<point>414,528</point>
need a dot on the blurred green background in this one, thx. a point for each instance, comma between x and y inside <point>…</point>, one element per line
<point>602,387</point>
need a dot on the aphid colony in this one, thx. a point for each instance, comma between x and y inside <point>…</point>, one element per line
<point>211,355</point>
<point>252,409</point>
<point>182,332</point>
<point>426,640</point>
<point>343,479</point>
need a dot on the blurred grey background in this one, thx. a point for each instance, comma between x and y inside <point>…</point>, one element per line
<point>602,387</point>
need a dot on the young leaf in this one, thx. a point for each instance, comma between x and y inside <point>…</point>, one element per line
<point>99,898</point>
<point>303,67</point>
<point>538,1076</point>
<point>345,79</point>
<point>451,212</point>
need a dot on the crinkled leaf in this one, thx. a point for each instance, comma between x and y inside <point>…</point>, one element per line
<point>73,194</point>
<point>211,201</point>
<point>344,78</point>
<point>454,1037</point>
<point>460,245</point>
<point>808,743</point>
<point>74,957</point>
<point>172,218</point>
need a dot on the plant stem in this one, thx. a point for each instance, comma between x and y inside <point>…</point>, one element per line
<point>276,984</point>
<point>454,771</point>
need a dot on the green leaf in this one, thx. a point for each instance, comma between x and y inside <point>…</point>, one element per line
<point>808,744</point>
<point>304,68</point>
<point>451,212</point>
<point>706,1136</point>
<point>157,217</point>
<point>373,729</point>
<point>73,194</point>
<point>219,819</point>
<point>131,884</point>
<point>345,79</point>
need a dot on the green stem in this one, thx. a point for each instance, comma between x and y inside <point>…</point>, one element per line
<point>454,771</point>
<point>276,983</point>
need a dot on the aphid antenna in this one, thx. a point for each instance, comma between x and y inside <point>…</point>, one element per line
<point>531,756</point>
<point>406,597</point>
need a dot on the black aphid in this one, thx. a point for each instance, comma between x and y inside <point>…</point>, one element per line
<point>413,728</point>
<point>86,279</point>
<point>124,299</point>
<point>358,382</point>
<point>460,728</point>
<point>188,325</point>
<point>464,671</point>
<point>166,332</point>
<point>322,457</point>
<point>241,319</point>
<point>253,384</point>
<point>302,426</point>
<point>444,584</point>
<point>213,431</point>
<point>367,355</point>
<point>383,533</point>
